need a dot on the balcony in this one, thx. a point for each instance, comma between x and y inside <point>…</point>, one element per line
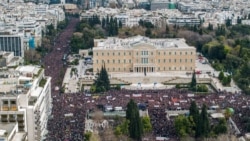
<point>13,108</point>
<point>4,119</point>
<point>20,118</point>
<point>5,107</point>
<point>12,119</point>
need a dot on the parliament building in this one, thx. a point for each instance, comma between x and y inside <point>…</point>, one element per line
<point>143,55</point>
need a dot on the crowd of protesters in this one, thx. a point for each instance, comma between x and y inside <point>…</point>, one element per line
<point>69,110</point>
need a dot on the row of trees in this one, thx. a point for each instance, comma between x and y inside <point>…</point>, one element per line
<point>197,124</point>
<point>88,30</point>
<point>134,126</point>
<point>111,25</point>
<point>225,80</point>
<point>197,88</point>
<point>102,82</point>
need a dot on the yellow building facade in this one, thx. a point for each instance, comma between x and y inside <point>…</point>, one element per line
<point>143,55</point>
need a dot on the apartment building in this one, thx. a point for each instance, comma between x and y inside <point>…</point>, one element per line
<point>143,55</point>
<point>26,21</point>
<point>25,103</point>
<point>12,43</point>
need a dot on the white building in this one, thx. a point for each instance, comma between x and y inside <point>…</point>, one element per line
<point>29,20</point>
<point>25,103</point>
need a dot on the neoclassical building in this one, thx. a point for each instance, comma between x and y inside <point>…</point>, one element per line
<point>143,55</point>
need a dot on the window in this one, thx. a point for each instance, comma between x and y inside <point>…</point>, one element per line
<point>129,60</point>
<point>96,61</point>
<point>180,60</point>
<point>124,60</point>
<point>124,53</point>
<point>169,53</point>
<point>191,60</point>
<point>164,54</point>
<point>175,60</point>
<point>103,61</point>
<point>129,53</point>
<point>137,53</point>
<point>119,69</point>
<point>159,68</point>
<point>113,60</point>
<point>107,61</point>
<point>180,53</point>
<point>191,52</point>
<point>113,54</point>
<point>124,69</point>
<point>169,60</point>
<point>118,61</point>
<point>152,53</point>
<point>169,68</point>
<point>159,60</point>
<point>108,53</point>
<point>108,69</point>
<point>180,68</point>
<point>174,53</point>
<point>102,54</point>
<point>159,53</point>
<point>174,68</point>
<point>97,54</point>
<point>119,53</point>
<point>113,69</point>
<point>186,60</point>
<point>164,68</point>
<point>164,61</point>
<point>186,53</point>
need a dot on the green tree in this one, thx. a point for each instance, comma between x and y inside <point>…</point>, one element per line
<point>204,122</point>
<point>102,83</point>
<point>227,113</point>
<point>194,112</point>
<point>238,20</point>
<point>135,123</point>
<point>221,127</point>
<point>228,22</point>
<point>146,124</point>
<point>148,32</point>
<point>221,76</point>
<point>193,81</point>
<point>167,30</point>
<point>182,125</point>
<point>120,24</point>
<point>210,27</point>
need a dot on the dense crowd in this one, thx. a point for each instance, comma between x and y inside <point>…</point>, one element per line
<point>69,110</point>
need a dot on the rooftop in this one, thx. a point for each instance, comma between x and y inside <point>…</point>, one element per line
<point>138,42</point>
<point>6,128</point>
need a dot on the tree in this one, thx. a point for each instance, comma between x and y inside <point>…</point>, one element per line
<point>102,82</point>
<point>167,30</point>
<point>238,20</point>
<point>227,113</point>
<point>182,125</point>
<point>193,81</point>
<point>228,22</point>
<point>194,112</point>
<point>221,76</point>
<point>221,128</point>
<point>103,22</point>
<point>135,123</point>
<point>146,124</point>
<point>210,27</point>
<point>204,122</point>
<point>148,32</point>
<point>120,24</point>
